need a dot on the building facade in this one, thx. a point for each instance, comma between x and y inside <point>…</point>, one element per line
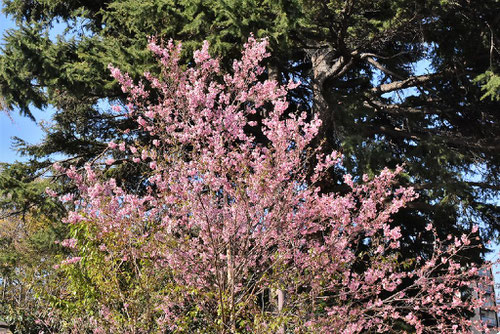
<point>488,312</point>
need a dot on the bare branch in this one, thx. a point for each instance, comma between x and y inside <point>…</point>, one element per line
<point>374,55</point>
<point>409,82</point>
<point>483,185</point>
<point>399,109</point>
<point>466,142</point>
<point>381,67</point>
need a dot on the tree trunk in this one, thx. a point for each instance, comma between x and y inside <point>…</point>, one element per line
<point>230,284</point>
<point>320,72</point>
<point>273,74</point>
<point>281,303</point>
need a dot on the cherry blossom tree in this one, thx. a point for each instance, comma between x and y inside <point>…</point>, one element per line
<point>233,215</point>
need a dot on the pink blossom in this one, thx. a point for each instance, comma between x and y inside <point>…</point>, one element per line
<point>70,243</point>
<point>232,218</point>
<point>50,192</point>
<point>71,260</point>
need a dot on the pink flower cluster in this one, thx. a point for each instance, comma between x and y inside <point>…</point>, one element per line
<point>234,213</point>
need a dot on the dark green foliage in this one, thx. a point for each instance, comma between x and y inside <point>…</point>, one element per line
<point>21,190</point>
<point>27,253</point>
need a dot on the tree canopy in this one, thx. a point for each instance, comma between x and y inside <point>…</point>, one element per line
<point>408,82</point>
<point>412,82</point>
<point>228,218</point>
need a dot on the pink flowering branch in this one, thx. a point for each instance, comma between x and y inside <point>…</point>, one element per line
<point>232,213</point>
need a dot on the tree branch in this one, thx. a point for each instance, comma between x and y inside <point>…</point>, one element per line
<point>484,185</point>
<point>381,67</point>
<point>324,69</point>
<point>409,82</point>
<point>466,142</point>
<point>397,109</point>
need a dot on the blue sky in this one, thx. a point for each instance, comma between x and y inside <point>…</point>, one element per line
<point>12,124</point>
